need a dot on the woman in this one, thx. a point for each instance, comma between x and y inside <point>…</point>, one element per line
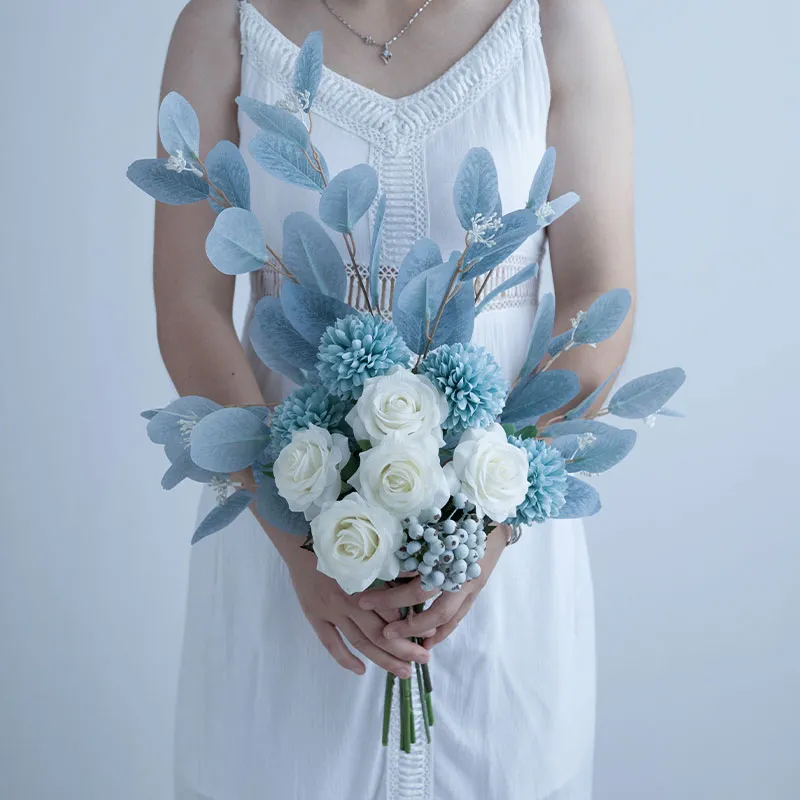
<point>264,711</point>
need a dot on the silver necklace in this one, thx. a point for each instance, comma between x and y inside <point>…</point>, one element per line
<point>386,53</point>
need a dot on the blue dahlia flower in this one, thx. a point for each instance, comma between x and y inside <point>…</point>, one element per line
<point>357,347</point>
<point>547,478</point>
<point>308,405</point>
<point>472,382</point>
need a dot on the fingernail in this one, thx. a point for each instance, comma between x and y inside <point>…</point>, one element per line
<point>391,634</point>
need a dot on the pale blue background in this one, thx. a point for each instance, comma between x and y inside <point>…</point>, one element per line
<point>695,557</point>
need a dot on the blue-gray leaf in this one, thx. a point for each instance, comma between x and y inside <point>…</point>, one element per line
<point>582,500</point>
<point>284,159</point>
<point>375,257</point>
<point>308,69</point>
<point>560,206</point>
<point>543,180</point>
<point>647,394</point>
<point>518,226</point>
<point>475,189</point>
<point>578,426</point>
<point>586,403</point>
<point>310,311</point>
<point>165,426</point>
<point>223,514</point>
<point>525,274</point>
<point>150,413</point>
<point>604,453</point>
<point>668,412</point>
<point>568,445</point>
<point>275,120</point>
<point>178,127</point>
<point>311,255</point>
<point>182,467</point>
<point>558,343</point>
<point>236,242</point>
<point>348,197</point>
<point>273,508</point>
<point>545,391</point>
<point>228,440</point>
<point>603,317</point>
<point>167,186</point>
<point>541,332</point>
<point>228,172</point>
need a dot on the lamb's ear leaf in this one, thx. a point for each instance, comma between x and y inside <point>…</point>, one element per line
<point>228,440</point>
<point>235,244</point>
<point>284,159</point>
<point>308,68</point>
<point>347,198</point>
<point>582,500</point>
<point>179,127</point>
<point>274,509</point>
<point>173,188</point>
<point>277,343</point>
<point>183,468</point>
<point>568,445</point>
<point>164,427</point>
<point>647,394</point>
<point>311,311</point>
<point>312,256</point>
<point>541,332</point>
<point>375,258</point>
<point>558,343</point>
<point>543,180</point>
<point>545,391</point>
<point>578,426</point>
<point>517,227</point>
<point>603,317</point>
<point>223,514</point>
<point>668,412</point>
<point>559,207</point>
<point>525,274</point>
<point>150,413</point>
<point>275,120</point>
<point>475,189</point>
<point>586,403</point>
<point>604,452</point>
<point>228,172</point>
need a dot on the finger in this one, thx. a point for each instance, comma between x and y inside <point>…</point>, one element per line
<point>440,613</point>
<point>409,594</point>
<point>360,641</point>
<point>442,633</point>
<point>404,649</point>
<point>333,643</point>
<point>388,614</point>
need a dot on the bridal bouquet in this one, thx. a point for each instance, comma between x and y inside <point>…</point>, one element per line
<point>404,445</point>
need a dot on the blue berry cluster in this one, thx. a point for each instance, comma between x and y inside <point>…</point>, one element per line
<point>444,548</point>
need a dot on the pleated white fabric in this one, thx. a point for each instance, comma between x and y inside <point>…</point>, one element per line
<point>263,711</point>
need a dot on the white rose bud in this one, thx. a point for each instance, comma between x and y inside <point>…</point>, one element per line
<point>493,473</point>
<point>399,402</point>
<point>307,471</point>
<point>403,475</point>
<point>356,543</point>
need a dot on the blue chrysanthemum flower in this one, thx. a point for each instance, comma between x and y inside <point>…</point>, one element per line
<point>472,382</point>
<point>547,478</point>
<point>308,405</point>
<point>357,347</point>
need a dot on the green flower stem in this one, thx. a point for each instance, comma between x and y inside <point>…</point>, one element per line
<point>429,706</point>
<point>405,719</point>
<point>423,703</point>
<point>387,707</point>
<point>412,727</point>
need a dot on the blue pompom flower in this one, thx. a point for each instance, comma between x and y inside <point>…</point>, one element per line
<point>472,382</point>
<point>308,405</point>
<point>357,347</point>
<point>547,479</point>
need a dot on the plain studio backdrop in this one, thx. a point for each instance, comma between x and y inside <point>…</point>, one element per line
<point>695,555</point>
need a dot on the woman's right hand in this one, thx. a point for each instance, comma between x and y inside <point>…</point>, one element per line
<point>333,613</point>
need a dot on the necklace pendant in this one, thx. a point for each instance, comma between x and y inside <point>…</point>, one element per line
<point>386,55</point>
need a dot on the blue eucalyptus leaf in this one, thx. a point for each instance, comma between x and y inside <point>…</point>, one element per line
<point>578,426</point>
<point>311,255</point>
<point>541,332</point>
<point>223,514</point>
<point>150,413</point>
<point>518,227</point>
<point>526,274</point>
<point>283,159</point>
<point>668,412</point>
<point>647,394</point>
<point>543,180</point>
<point>310,311</point>
<point>308,68</point>
<point>568,445</point>
<point>178,127</point>
<point>586,403</point>
<point>558,343</point>
<point>165,426</point>
<point>183,468</point>
<point>228,172</point>
<point>236,242</point>
<point>348,197</point>
<point>273,508</point>
<point>375,257</point>
<point>582,500</point>
<point>604,453</point>
<point>545,391</point>
<point>228,440</point>
<point>475,189</point>
<point>275,120</point>
<point>277,343</point>
<point>423,295</point>
<point>262,412</point>
<point>167,186</point>
<point>603,317</point>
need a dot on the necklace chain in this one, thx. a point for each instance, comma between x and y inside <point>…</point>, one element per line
<point>386,53</point>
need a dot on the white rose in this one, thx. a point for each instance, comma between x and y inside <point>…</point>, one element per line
<point>307,469</point>
<point>493,473</point>
<point>400,402</point>
<point>403,475</point>
<point>356,543</point>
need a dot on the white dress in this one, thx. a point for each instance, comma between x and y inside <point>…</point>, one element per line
<point>263,712</point>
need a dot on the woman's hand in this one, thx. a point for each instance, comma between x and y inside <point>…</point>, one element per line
<point>436,623</point>
<point>333,613</point>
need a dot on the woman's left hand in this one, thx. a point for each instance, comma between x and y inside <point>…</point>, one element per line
<point>441,619</point>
